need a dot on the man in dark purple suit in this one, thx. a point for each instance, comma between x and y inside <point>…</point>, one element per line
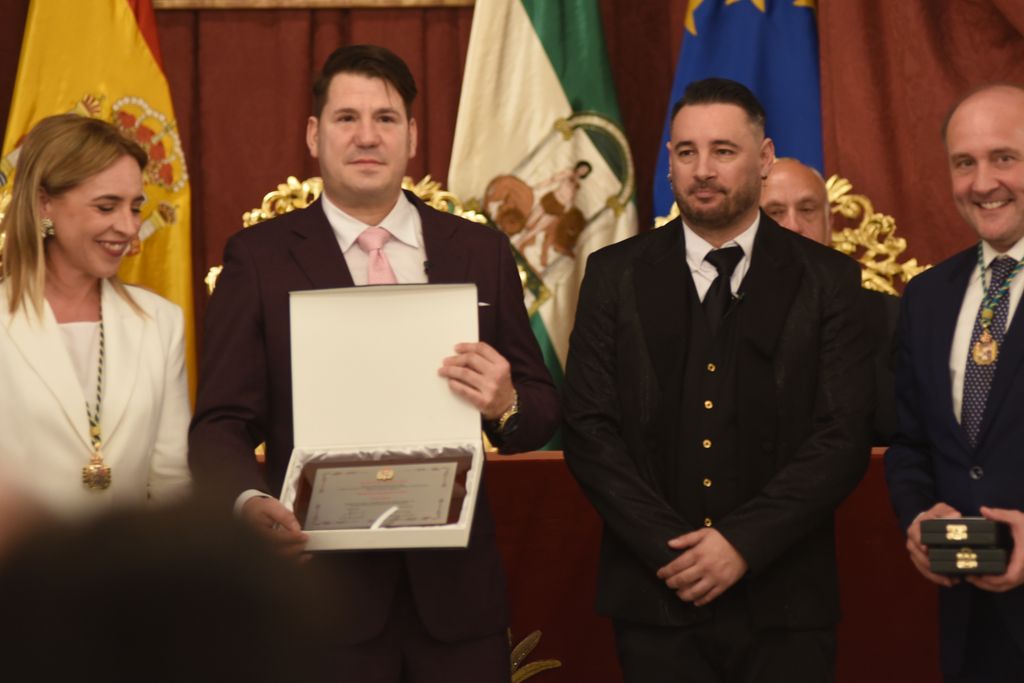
<point>423,615</point>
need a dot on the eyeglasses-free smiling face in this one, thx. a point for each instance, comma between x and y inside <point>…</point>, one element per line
<point>985,142</point>
<point>94,222</point>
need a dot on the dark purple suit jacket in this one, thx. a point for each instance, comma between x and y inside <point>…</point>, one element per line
<point>245,397</point>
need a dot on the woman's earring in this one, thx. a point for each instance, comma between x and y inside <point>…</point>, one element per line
<point>47,230</point>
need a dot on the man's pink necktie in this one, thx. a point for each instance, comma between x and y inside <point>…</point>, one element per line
<point>372,241</point>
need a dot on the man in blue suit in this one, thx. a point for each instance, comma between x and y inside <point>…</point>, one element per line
<point>959,449</point>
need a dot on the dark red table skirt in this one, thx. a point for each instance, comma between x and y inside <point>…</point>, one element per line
<point>549,537</point>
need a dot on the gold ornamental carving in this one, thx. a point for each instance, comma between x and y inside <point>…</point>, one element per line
<point>872,242</point>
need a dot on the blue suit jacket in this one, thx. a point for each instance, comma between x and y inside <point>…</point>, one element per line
<point>931,459</point>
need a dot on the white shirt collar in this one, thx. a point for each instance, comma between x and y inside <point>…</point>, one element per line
<point>988,252</point>
<point>400,222</point>
<point>697,247</point>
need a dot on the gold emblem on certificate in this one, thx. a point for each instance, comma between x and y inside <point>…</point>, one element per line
<point>386,474</point>
<point>985,350</point>
<point>96,475</point>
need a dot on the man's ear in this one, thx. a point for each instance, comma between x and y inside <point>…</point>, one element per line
<point>313,136</point>
<point>767,154</point>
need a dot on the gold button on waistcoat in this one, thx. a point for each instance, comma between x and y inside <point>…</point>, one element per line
<point>707,521</point>
<point>707,483</point>
<point>709,405</point>
<point>712,367</point>
<point>706,443</point>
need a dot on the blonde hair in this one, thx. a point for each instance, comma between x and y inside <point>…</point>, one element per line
<point>58,154</point>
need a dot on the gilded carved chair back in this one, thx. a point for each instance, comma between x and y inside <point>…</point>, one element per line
<point>871,240</point>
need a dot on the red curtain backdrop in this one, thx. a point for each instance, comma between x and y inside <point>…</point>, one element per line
<point>890,71</point>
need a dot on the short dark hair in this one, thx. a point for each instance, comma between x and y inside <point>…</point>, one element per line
<point>722,91</point>
<point>371,61</point>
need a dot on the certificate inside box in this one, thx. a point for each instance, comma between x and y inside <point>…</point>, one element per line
<point>367,401</point>
<point>394,490</point>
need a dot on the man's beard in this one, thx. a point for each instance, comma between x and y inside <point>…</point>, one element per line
<point>734,205</point>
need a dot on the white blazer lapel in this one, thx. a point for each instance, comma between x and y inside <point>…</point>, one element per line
<point>41,345</point>
<point>122,331</point>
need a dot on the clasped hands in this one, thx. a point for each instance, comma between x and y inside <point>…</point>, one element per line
<point>1000,583</point>
<point>706,568</point>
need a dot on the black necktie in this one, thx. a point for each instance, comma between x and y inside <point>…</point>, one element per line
<point>716,301</point>
<point>978,378</point>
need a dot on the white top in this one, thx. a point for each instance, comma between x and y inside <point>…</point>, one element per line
<point>703,272</point>
<point>82,340</point>
<point>969,312</point>
<point>405,250</point>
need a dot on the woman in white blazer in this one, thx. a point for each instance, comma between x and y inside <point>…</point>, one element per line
<point>94,405</point>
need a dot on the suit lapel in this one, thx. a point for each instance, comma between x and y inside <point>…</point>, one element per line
<point>768,288</point>
<point>40,343</point>
<point>660,281</point>
<point>317,252</point>
<point>447,260</point>
<point>123,341</point>
<point>946,312</point>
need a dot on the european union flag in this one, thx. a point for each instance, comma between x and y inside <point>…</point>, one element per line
<point>771,46</point>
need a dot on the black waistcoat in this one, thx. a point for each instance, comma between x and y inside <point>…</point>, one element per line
<point>707,470</point>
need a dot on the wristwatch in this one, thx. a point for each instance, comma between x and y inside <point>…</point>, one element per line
<point>507,422</point>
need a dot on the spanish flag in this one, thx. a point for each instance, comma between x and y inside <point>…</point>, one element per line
<point>101,58</point>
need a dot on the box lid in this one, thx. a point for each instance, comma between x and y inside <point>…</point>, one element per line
<point>365,361</point>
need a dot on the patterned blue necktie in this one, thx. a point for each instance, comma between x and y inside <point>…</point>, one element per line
<point>978,378</point>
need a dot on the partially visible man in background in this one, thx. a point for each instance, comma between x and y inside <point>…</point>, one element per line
<point>795,196</point>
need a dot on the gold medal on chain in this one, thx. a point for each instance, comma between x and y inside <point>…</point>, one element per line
<point>96,475</point>
<point>985,350</point>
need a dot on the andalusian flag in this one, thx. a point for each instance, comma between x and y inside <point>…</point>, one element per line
<point>100,58</point>
<point>539,147</point>
<point>770,46</point>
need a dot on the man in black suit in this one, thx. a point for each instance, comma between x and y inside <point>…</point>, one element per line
<point>716,408</point>
<point>794,196</point>
<point>960,388</point>
<point>424,615</point>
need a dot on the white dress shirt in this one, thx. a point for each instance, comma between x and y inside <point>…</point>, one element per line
<point>405,250</point>
<point>969,313</point>
<point>703,272</point>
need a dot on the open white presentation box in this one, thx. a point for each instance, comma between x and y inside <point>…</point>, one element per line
<point>364,381</point>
